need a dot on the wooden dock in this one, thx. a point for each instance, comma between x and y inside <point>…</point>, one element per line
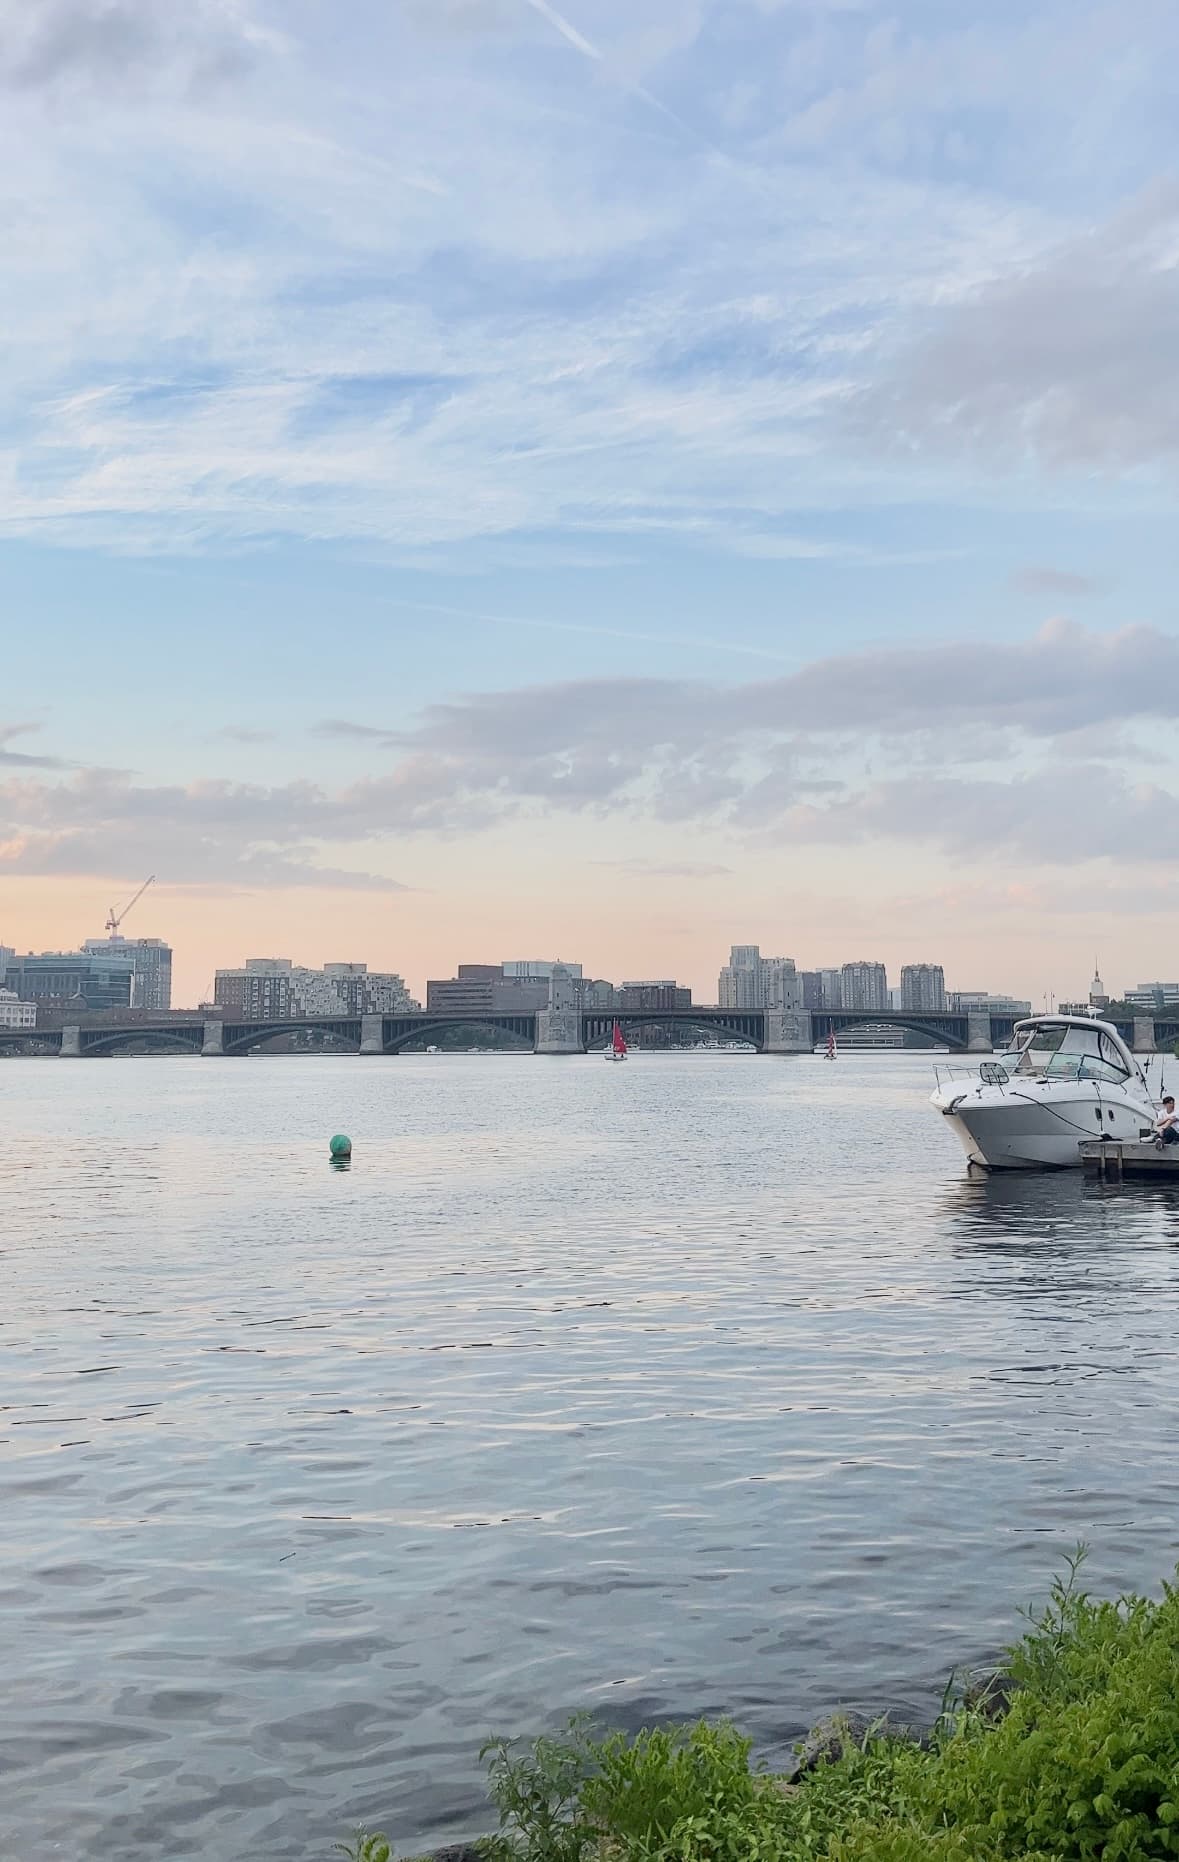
<point>1112,1160</point>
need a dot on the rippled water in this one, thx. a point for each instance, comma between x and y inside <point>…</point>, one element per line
<point>707,1384</point>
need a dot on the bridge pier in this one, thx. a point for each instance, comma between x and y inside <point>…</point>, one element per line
<point>978,1035</point>
<point>212,1043</point>
<point>1144,1042</point>
<point>558,1031</point>
<point>372,1034</point>
<point>788,1031</point>
<point>71,1043</point>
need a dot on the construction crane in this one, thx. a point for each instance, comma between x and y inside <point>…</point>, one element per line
<point>114,919</point>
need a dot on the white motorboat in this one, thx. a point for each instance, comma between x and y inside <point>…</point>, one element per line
<point>1065,1078</point>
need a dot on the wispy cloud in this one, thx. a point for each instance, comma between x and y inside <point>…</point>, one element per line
<point>609,331</point>
<point>22,759</point>
<point>1039,579</point>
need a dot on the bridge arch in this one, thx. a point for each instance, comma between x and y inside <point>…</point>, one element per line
<point>522,1026</point>
<point>597,1029</point>
<point>177,1040</point>
<point>238,1038</point>
<point>944,1031</point>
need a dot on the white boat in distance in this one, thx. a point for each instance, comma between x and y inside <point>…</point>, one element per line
<point>1065,1079</point>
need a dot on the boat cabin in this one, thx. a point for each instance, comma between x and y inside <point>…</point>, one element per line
<point>1069,1047</point>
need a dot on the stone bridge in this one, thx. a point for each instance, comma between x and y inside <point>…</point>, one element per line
<point>551,1031</point>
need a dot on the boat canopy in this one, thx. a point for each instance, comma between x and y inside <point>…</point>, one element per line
<point>1069,1047</point>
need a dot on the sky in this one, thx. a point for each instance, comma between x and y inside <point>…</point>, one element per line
<point>481,479</point>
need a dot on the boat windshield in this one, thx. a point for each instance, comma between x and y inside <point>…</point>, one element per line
<point>1064,1051</point>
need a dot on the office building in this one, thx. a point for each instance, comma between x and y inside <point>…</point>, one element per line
<point>275,989</point>
<point>151,967</point>
<point>980,1002</point>
<point>75,979</point>
<point>15,1014</point>
<point>923,987</point>
<point>864,986</point>
<point>483,989</point>
<point>1098,993</point>
<point>649,998</point>
<point>1153,998</point>
<point>598,994</point>
<point>536,970</point>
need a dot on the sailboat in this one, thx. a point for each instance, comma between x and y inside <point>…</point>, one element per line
<point>617,1048</point>
<point>832,1052</point>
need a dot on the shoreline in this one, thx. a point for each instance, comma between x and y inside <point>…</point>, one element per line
<point>1067,1751</point>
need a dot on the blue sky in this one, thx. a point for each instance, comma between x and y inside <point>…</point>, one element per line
<point>476,475</point>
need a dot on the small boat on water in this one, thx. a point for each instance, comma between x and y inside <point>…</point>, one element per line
<point>617,1049</point>
<point>1065,1081</point>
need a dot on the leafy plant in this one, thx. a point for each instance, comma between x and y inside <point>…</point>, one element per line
<point>366,1848</point>
<point>1077,1760</point>
<point>536,1790</point>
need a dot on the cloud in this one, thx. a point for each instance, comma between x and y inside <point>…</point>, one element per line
<point>1072,362</point>
<point>208,832</point>
<point>19,759</point>
<point>1011,748</point>
<point>1063,816</point>
<point>1036,579</point>
<point>241,734</point>
<point>113,44</point>
<point>679,869</point>
<point>349,730</point>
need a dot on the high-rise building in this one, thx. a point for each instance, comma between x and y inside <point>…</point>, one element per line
<point>15,1014</point>
<point>751,981</point>
<point>810,983</point>
<point>535,969</point>
<point>923,987</point>
<point>1098,994</point>
<point>274,988</point>
<point>151,967</point>
<point>739,984</point>
<point>780,984</point>
<point>74,979</point>
<point>832,983</point>
<point>864,986</point>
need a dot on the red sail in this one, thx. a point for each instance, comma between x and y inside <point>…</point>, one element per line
<point>619,1041</point>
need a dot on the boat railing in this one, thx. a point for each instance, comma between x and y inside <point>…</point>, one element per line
<point>985,1073</point>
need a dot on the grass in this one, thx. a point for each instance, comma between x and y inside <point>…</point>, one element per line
<point>1079,1760</point>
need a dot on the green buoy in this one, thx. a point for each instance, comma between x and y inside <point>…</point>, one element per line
<point>340,1146</point>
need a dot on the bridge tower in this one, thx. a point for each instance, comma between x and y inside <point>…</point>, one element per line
<point>558,1028</point>
<point>788,1031</point>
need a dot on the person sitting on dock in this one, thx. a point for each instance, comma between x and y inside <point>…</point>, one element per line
<point>1168,1125</point>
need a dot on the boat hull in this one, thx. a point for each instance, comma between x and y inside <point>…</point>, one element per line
<point>1040,1129</point>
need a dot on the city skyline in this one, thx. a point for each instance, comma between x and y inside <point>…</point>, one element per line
<point>627,477</point>
<point>749,980</point>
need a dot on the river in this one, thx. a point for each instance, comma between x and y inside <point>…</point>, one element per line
<point>707,1384</point>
